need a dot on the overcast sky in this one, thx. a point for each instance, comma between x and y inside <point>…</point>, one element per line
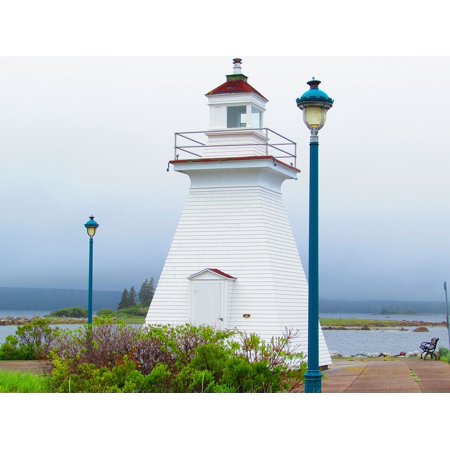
<point>93,135</point>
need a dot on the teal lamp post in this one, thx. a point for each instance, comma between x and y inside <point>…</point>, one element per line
<point>314,104</point>
<point>91,226</point>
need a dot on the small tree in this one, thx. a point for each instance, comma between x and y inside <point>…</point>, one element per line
<point>151,289</point>
<point>146,293</point>
<point>132,297</point>
<point>124,300</point>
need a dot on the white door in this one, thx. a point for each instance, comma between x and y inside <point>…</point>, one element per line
<point>207,303</point>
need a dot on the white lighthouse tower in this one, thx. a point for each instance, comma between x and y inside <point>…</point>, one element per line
<point>233,262</point>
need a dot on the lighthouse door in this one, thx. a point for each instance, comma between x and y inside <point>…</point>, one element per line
<point>207,303</point>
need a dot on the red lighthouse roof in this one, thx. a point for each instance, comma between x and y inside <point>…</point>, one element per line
<point>236,83</point>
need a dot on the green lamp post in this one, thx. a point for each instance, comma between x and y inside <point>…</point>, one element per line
<point>314,104</point>
<point>91,226</point>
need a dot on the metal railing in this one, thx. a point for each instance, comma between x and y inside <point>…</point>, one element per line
<point>191,142</point>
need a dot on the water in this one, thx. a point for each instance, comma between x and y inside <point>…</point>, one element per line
<point>349,343</point>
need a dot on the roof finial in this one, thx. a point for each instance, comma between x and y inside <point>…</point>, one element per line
<point>237,65</point>
<point>314,84</point>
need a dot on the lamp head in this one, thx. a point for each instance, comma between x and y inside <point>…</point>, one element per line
<point>91,226</point>
<point>315,104</point>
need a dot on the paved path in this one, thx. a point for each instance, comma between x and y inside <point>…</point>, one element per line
<point>22,366</point>
<point>402,375</point>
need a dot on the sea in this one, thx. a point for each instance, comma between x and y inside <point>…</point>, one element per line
<point>342,342</point>
<point>388,342</point>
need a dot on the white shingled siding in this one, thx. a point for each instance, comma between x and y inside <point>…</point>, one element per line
<point>245,232</point>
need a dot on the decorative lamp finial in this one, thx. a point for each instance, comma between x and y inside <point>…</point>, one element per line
<point>237,66</point>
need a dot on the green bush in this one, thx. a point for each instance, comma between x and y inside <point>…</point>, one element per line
<point>123,378</point>
<point>117,358</point>
<point>11,350</point>
<point>31,341</point>
<point>138,311</point>
<point>444,354</point>
<point>70,312</point>
<point>105,312</point>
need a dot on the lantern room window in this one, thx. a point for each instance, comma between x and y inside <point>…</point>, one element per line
<point>256,117</point>
<point>236,116</point>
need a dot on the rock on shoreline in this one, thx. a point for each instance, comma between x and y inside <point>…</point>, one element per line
<point>14,321</point>
<point>17,321</point>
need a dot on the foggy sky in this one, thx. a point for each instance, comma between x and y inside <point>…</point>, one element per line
<point>81,136</point>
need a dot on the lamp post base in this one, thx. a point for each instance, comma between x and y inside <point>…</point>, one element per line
<point>313,382</point>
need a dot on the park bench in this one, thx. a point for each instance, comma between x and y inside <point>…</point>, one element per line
<point>428,348</point>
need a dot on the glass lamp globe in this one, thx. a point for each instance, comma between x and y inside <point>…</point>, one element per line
<point>91,226</point>
<point>315,104</point>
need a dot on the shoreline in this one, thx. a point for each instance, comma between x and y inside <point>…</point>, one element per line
<point>19,321</point>
<point>326,324</point>
<point>368,325</point>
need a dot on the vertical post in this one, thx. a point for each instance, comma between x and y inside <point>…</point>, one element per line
<point>91,250</point>
<point>446,303</point>
<point>267,141</point>
<point>175,147</point>
<point>313,377</point>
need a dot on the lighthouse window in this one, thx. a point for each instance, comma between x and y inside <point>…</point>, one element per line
<point>236,116</point>
<point>256,118</point>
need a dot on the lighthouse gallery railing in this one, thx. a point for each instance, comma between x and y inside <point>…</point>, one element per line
<point>191,142</point>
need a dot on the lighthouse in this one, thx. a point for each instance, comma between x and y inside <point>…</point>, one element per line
<point>233,262</point>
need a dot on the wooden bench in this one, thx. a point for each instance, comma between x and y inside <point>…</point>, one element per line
<point>428,348</point>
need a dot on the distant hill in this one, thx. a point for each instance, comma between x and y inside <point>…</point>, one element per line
<point>53,299</point>
<point>381,307</point>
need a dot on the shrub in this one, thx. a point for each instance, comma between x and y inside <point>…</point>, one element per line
<point>111,357</point>
<point>105,312</point>
<point>444,354</point>
<point>70,312</point>
<point>31,341</point>
<point>11,350</point>
<point>138,311</point>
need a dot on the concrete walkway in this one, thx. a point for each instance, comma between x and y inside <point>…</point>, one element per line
<point>406,375</point>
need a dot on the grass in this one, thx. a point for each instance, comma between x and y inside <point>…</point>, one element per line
<point>125,318</point>
<point>131,320</point>
<point>414,375</point>
<point>19,382</point>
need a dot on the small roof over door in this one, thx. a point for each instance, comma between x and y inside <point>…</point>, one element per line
<point>216,272</point>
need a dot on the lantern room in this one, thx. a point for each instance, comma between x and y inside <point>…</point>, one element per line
<point>236,118</point>
<point>236,104</point>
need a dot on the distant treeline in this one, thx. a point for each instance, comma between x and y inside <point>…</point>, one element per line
<point>381,307</point>
<point>53,299</point>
